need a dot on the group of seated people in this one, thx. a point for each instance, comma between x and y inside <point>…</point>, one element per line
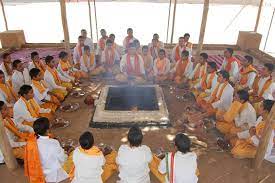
<point>238,95</point>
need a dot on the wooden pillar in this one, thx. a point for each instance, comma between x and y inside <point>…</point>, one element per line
<point>4,15</point>
<point>203,26</point>
<point>6,148</point>
<point>258,15</point>
<point>173,23</point>
<point>270,121</point>
<point>96,21</point>
<point>65,26</point>
<point>268,32</point>
<point>168,23</point>
<point>90,19</point>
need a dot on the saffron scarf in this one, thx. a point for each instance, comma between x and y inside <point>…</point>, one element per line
<point>110,56</point>
<point>235,109</point>
<point>32,107</point>
<point>229,63</point>
<point>216,96</point>
<point>244,73</point>
<point>55,75</point>
<point>181,67</point>
<point>9,92</point>
<point>130,69</point>
<point>207,83</point>
<point>39,85</point>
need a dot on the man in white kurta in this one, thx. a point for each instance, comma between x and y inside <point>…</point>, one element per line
<point>231,65</point>
<point>87,41</point>
<point>129,39</point>
<point>87,64</point>
<point>20,76</point>
<point>6,66</point>
<point>182,45</point>
<point>49,79</point>
<point>78,50</point>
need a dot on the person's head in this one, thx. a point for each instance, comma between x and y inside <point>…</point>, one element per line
<point>203,58</point>
<point>36,74</point>
<point>18,65</point>
<point>84,33</point>
<point>6,58</point>
<point>109,44</point>
<point>135,136</point>
<point>112,37</point>
<point>49,60</point>
<point>2,77</point>
<point>184,55</point>
<point>41,126</point>
<point>155,42</point>
<point>186,37</point>
<point>223,76</point>
<point>228,52</point>
<point>132,50</point>
<point>86,140</point>
<point>4,110</point>
<point>241,96</point>
<point>162,54</point>
<point>211,67</point>
<point>181,41</point>
<point>81,40</point>
<point>266,107</point>
<point>137,43</point>
<point>268,69</point>
<point>87,50</point>
<point>248,60</point>
<point>182,143</point>
<point>63,56</point>
<point>103,32</point>
<point>145,50</point>
<point>156,36</point>
<point>35,56</point>
<point>130,32</point>
<point>26,91</point>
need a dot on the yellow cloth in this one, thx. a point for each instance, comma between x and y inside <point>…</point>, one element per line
<point>66,66</point>
<point>19,152</point>
<point>32,107</point>
<point>8,90</point>
<point>61,94</point>
<point>92,59</point>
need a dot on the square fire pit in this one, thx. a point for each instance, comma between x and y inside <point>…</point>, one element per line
<point>124,106</point>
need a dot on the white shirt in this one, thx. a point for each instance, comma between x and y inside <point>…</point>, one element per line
<point>13,139</point>
<point>3,68</point>
<point>1,157</point>
<point>88,169</point>
<point>125,45</point>
<point>234,71</point>
<point>267,95</point>
<point>181,49</point>
<point>188,70</point>
<point>250,79</point>
<point>20,78</point>
<point>226,98</point>
<point>185,167</point>
<point>166,67</point>
<point>64,75</point>
<point>52,158</point>
<point>76,54</point>
<point>134,164</point>
<point>198,66</point>
<point>3,97</point>
<point>31,65</point>
<point>213,84</point>
<point>89,67</point>
<point>116,57</point>
<point>123,63</point>
<point>89,42</point>
<point>49,79</point>
<point>40,96</point>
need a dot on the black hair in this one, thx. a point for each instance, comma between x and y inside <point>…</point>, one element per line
<point>185,53</point>
<point>183,143</point>
<point>181,37</point>
<point>102,30</point>
<point>83,30</point>
<point>213,65</point>
<point>204,56</point>
<point>33,54</point>
<point>15,63</point>
<point>1,105</point>
<point>24,90</point>
<point>112,35</point>
<point>1,72</point>
<point>86,48</point>
<point>86,140</point>
<point>80,37</point>
<point>48,59</point>
<point>109,41</point>
<point>34,72</point>
<point>41,126</point>
<point>186,34</point>
<point>249,58</point>
<point>5,55</point>
<point>132,45</point>
<point>62,54</point>
<point>135,136</point>
<point>145,47</point>
<point>162,50</point>
<point>129,29</point>
<point>156,34</point>
<point>224,74</point>
<point>268,104</point>
<point>230,50</point>
<point>243,95</point>
<point>269,66</point>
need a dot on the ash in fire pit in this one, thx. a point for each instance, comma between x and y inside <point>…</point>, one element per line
<point>127,98</point>
<point>123,106</point>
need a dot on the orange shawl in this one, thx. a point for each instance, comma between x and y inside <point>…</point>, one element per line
<point>9,92</point>
<point>265,87</point>
<point>32,107</point>
<point>39,85</point>
<point>55,75</point>
<point>101,42</point>
<point>110,58</point>
<point>206,84</point>
<point>244,73</point>
<point>160,65</point>
<point>229,62</point>
<point>10,125</point>
<point>130,70</point>
<point>128,41</point>
<point>40,66</point>
<point>65,65</point>
<point>215,95</point>
<point>181,67</point>
<point>79,49</point>
<point>32,163</point>
<point>94,151</point>
<point>235,109</point>
<point>200,71</point>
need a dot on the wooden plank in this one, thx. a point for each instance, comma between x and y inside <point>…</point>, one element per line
<point>203,25</point>
<point>6,148</point>
<point>258,15</point>
<point>270,121</point>
<point>173,23</point>
<point>4,15</point>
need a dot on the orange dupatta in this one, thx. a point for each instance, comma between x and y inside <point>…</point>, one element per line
<point>40,66</point>
<point>182,65</point>
<point>32,107</point>
<point>265,87</point>
<point>229,62</point>
<point>207,84</point>
<point>32,162</point>
<point>8,90</point>
<point>39,85</point>
<point>244,73</point>
<point>235,109</point>
<point>110,58</point>
<point>130,69</point>
<point>160,65</point>
<point>216,96</point>
<point>55,75</point>
<point>101,42</point>
<point>94,151</point>
<point>65,65</point>
<point>200,71</point>
<point>10,125</point>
